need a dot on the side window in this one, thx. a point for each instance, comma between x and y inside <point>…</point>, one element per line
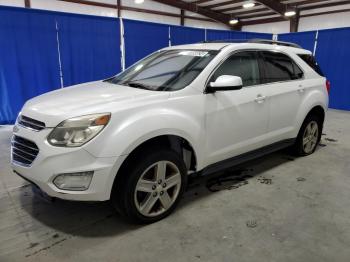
<point>280,67</point>
<point>310,60</point>
<point>244,65</point>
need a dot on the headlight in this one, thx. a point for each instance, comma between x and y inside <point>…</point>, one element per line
<point>77,131</point>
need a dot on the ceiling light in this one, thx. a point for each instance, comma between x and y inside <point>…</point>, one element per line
<point>248,5</point>
<point>233,21</point>
<point>139,1</point>
<point>290,13</point>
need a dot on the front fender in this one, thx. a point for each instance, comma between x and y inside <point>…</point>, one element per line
<point>124,135</point>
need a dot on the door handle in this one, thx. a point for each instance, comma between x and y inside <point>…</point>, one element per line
<point>260,99</point>
<point>301,89</point>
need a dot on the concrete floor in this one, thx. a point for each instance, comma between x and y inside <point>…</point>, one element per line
<point>276,208</point>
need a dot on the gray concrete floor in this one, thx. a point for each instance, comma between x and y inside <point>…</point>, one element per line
<point>276,208</point>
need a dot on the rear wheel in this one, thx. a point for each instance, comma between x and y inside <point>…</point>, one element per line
<point>309,136</point>
<point>151,186</point>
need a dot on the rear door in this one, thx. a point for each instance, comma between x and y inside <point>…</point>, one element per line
<point>286,89</point>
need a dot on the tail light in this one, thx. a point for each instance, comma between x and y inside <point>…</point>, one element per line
<point>328,85</point>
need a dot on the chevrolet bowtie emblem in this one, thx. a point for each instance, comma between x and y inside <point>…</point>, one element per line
<point>15,129</point>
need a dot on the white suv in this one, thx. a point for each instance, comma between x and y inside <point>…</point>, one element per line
<point>135,137</point>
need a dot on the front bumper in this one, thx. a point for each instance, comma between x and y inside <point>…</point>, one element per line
<point>52,161</point>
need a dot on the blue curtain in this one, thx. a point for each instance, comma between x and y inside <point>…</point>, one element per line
<point>213,34</point>
<point>253,35</point>
<point>186,35</point>
<point>89,47</point>
<point>143,38</point>
<point>28,58</point>
<point>333,55</point>
<point>305,39</point>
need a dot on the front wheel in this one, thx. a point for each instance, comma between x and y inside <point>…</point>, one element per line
<point>309,136</point>
<point>151,186</point>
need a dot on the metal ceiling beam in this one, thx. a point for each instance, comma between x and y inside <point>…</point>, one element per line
<point>275,6</point>
<point>279,19</point>
<point>246,12</point>
<point>325,5</point>
<point>241,10</point>
<point>220,17</point>
<point>256,15</point>
<point>224,3</point>
<point>201,1</point>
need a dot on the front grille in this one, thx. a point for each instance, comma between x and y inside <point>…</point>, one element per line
<point>24,151</point>
<point>30,123</point>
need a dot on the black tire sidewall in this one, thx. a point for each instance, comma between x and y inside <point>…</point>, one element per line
<point>299,149</point>
<point>132,175</point>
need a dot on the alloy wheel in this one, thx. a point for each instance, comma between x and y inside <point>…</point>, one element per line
<point>310,137</point>
<point>157,188</point>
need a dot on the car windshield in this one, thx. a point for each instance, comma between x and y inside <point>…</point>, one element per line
<point>165,70</point>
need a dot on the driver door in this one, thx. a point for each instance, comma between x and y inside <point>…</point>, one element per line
<point>237,121</point>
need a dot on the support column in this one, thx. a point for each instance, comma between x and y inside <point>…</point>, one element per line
<point>294,22</point>
<point>182,18</point>
<point>27,3</point>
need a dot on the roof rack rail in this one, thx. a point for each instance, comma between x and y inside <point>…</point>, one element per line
<point>256,41</point>
<point>273,42</point>
<point>225,41</point>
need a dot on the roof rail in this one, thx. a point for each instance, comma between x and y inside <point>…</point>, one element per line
<point>273,42</point>
<point>256,41</point>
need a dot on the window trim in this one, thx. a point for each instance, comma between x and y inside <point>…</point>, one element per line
<point>226,58</point>
<point>261,62</point>
<point>277,51</point>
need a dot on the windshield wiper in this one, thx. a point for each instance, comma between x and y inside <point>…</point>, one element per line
<point>138,85</point>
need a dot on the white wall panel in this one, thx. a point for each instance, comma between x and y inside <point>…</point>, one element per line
<point>148,4</point>
<point>273,28</point>
<point>18,3</point>
<point>150,17</point>
<point>205,24</point>
<point>202,24</point>
<point>325,21</point>
<point>54,5</point>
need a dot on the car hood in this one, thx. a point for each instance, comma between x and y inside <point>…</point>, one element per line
<point>89,98</point>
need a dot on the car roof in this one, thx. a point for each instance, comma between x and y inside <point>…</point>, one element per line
<point>247,45</point>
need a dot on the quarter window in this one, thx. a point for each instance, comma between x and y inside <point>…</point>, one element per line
<point>244,65</point>
<point>310,60</point>
<point>279,67</point>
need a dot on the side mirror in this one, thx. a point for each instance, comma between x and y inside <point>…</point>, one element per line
<point>225,83</point>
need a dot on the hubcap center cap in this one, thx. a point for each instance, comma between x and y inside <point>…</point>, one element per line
<point>159,188</point>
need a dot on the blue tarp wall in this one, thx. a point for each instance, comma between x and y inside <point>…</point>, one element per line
<point>37,46</point>
<point>42,50</point>
<point>332,53</point>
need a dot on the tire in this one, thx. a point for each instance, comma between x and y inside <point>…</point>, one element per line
<point>311,131</point>
<point>140,196</point>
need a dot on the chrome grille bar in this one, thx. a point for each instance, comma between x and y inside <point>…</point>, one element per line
<point>28,122</point>
<point>23,150</point>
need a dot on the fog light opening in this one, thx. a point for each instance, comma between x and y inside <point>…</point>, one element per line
<point>74,181</point>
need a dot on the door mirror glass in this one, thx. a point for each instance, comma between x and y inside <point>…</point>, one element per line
<point>225,83</point>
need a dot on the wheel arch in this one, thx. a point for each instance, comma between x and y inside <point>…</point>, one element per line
<point>174,142</point>
<point>317,110</point>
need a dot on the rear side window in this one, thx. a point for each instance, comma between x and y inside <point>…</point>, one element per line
<point>311,61</point>
<point>243,64</point>
<point>279,67</point>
